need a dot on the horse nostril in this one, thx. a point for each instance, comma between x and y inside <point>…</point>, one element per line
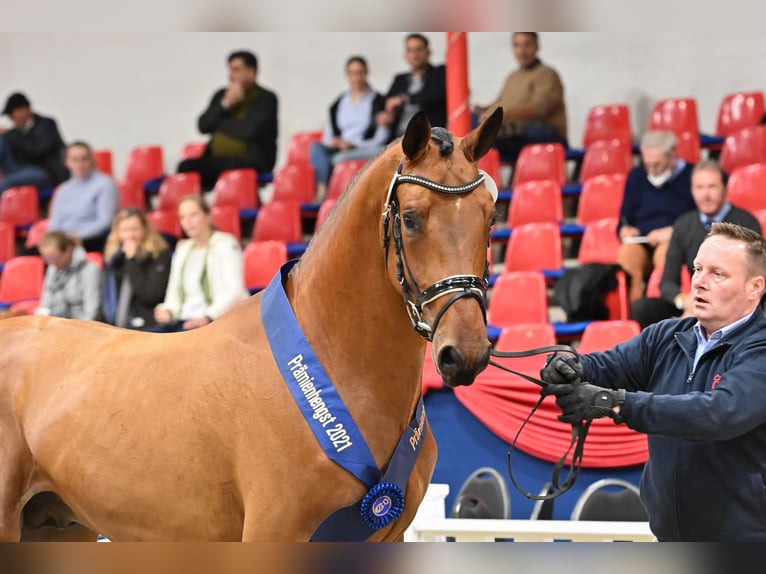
<point>450,361</point>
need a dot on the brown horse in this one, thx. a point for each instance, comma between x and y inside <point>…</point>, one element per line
<point>195,436</point>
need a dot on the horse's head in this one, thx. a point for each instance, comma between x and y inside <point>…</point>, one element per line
<point>437,220</point>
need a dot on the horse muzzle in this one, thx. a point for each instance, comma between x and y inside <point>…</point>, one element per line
<point>459,364</point>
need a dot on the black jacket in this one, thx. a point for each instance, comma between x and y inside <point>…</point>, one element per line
<point>258,129</point>
<point>41,146</point>
<point>432,99</point>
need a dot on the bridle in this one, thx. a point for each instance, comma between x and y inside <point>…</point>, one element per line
<point>458,286</point>
<point>579,430</point>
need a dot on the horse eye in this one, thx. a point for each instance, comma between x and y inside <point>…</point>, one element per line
<point>410,221</point>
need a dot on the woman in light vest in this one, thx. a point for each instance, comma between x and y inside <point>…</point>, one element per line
<point>206,273</point>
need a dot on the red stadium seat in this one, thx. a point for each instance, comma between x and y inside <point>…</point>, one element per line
<point>534,247</point>
<point>655,278</point>
<point>601,197</point>
<point>294,182</point>
<point>176,186</point>
<point>7,242</point>
<point>518,297</point>
<point>237,187</point>
<point>745,147</point>
<point>678,115</point>
<point>299,145</point>
<point>36,233</point>
<point>760,215</point>
<point>103,158</point>
<point>279,221</point>
<point>22,279</point>
<point>747,187</point>
<point>166,221</point>
<point>523,336</point>
<point>600,242</point>
<point>606,157</point>
<point>226,218</point>
<point>341,176</point>
<point>603,335</point>
<point>541,162</point>
<point>193,150</point>
<point>19,206</point>
<point>131,194</point>
<point>739,110</point>
<point>95,257</point>
<point>324,211</point>
<point>688,147</point>
<point>145,163</point>
<point>606,122</point>
<point>492,164</point>
<point>536,202</point>
<point>262,259</point>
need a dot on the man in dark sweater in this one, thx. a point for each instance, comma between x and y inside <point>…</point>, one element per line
<point>32,152</point>
<point>424,88</point>
<point>242,122</point>
<point>656,194</point>
<point>689,231</point>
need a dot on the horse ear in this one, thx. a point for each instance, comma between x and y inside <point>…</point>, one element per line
<point>478,142</point>
<point>416,136</point>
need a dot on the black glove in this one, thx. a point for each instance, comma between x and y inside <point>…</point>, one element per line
<point>583,401</point>
<point>562,369</point>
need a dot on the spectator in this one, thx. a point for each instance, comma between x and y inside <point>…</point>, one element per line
<point>424,88</point>
<point>206,275</point>
<point>137,270</point>
<point>351,131</point>
<point>656,194</point>
<point>84,205</point>
<point>696,387</point>
<point>242,121</point>
<point>689,231</point>
<point>72,286</point>
<point>31,151</point>
<point>532,100</point>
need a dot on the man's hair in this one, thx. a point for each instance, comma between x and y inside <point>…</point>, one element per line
<point>663,140</point>
<point>533,34</point>
<point>755,245</point>
<point>248,58</point>
<point>417,36</point>
<point>711,165</point>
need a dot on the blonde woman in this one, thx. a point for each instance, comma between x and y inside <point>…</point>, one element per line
<point>207,273</point>
<point>137,270</point>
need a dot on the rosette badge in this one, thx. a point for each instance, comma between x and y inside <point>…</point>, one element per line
<point>382,505</point>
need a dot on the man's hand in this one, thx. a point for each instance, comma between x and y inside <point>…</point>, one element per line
<point>190,324</point>
<point>629,231</point>
<point>659,236</point>
<point>234,94</point>
<point>561,369</point>
<point>582,401</point>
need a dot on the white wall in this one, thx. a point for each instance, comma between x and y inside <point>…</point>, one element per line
<point>117,90</point>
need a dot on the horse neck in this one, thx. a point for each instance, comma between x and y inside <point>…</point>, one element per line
<point>347,306</point>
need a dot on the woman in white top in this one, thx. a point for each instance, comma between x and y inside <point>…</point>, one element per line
<point>206,273</point>
<point>351,131</point>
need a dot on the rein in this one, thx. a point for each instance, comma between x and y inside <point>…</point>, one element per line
<point>458,285</point>
<point>579,430</point>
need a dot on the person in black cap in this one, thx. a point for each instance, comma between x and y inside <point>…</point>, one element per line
<point>31,153</point>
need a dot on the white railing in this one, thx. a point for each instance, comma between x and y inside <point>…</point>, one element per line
<point>431,525</point>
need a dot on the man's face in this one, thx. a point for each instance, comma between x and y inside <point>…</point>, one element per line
<point>239,73</point>
<point>416,53</point>
<point>656,161</point>
<point>722,292</point>
<point>524,49</point>
<point>20,116</point>
<point>708,191</point>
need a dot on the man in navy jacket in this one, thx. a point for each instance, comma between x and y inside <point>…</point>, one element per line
<point>697,387</point>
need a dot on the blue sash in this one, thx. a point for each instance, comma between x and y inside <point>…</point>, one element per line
<point>333,426</point>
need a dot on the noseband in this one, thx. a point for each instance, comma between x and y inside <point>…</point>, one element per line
<point>458,285</point>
